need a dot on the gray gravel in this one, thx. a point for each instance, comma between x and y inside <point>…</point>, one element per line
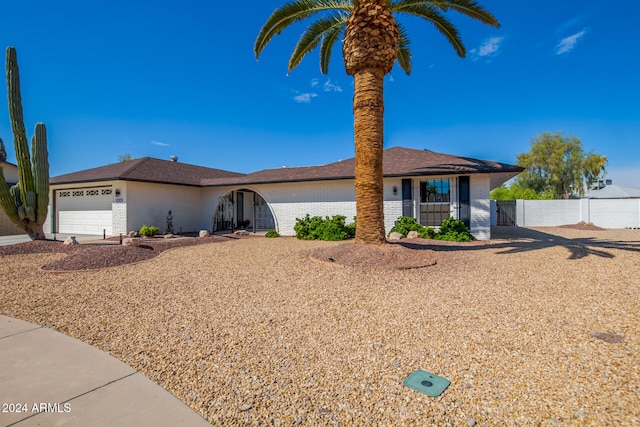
<point>541,329</point>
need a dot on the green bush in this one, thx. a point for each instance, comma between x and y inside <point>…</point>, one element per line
<point>328,228</point>
<point>451,229</point>
<point>405,224</point>
<point>454,230</point>
<point>272,233</point>
<point>149,231</point>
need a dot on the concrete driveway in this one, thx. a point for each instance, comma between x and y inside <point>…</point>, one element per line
<point>21,238</point>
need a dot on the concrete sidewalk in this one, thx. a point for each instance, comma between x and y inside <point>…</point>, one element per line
<point>47,378</point>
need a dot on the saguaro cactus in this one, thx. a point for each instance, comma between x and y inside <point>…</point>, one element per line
<point>25,203</point>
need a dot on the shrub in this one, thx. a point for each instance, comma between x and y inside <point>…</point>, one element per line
<point>272,233</point>
<point>318,228</point>
<point>148,231</point>
<point>451,229</point>
<point>454,230</point>
<point>405,224</point>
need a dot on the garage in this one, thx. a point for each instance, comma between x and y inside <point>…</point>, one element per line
<point>84,210</point>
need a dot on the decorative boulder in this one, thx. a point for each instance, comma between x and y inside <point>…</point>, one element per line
<point>131,241</point>
<point>71,240</point>
<point>395,236</point>
<point>168,236</point>
<point>241,233</point>
<point>133,234</point>
<point>203,233</point>
<point>413,235</point>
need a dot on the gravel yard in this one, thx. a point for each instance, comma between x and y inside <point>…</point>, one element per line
<point>538,327</point>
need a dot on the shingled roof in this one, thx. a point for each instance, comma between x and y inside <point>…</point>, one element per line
<point>146,169</point>
<point>397,161</point>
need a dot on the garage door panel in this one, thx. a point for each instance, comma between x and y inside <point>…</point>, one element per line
<point>84,210</point>
<point>85,222</point>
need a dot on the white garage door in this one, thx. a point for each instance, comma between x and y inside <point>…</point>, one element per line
<point>85,210</point>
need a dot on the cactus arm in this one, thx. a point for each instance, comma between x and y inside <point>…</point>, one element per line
<point>8,202</point>
<point>41,171</point>
<point>17,125</point>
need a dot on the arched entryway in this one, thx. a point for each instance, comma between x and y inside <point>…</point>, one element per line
<point>243,209</point>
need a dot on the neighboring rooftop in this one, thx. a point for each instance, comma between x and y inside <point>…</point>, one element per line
<point>146,169</point>
<point>397,161</point>
<point>613,192</point>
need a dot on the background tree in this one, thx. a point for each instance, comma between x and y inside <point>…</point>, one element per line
<point>557,167</point>
<point>373,41</point>
<point>3,152</point>
<point>593,168</point>
<point>125,157</point>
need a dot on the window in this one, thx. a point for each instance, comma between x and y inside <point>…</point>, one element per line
<point>435,199</point>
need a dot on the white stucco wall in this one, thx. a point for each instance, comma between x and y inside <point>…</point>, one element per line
<point>149,203</point>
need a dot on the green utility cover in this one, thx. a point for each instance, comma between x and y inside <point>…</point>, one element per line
<point>427,383</point>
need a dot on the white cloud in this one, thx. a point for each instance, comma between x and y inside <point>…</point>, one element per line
<point>567,44</point>
<point>330,87</point>
<point>488,49</point>
<point>161,144</point>
<point>391,79</point>
<point>304,98</point>
<point>315,82</point>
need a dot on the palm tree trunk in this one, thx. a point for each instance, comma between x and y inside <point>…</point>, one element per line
<point>368,112</point>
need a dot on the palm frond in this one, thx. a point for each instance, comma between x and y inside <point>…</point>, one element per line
<point>404,49</point>
<point>470,8</point>
<point>435,16</point>
<point>293,12</point>
<point>313,35</point>
<point>328,42</point>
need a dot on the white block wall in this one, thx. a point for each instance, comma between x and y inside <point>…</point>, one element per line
<point>480,206</point>
<point>606,213</point>
<point>119,218</point>
<point>614,213</point>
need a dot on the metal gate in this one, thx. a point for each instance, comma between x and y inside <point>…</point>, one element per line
<point>262,214</point>
<point>223,216</point>
<point>506,212</point>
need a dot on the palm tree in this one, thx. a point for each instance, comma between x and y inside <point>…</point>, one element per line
<point>373,42</point>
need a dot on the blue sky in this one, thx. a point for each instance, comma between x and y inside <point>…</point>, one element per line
<point>159,78</point>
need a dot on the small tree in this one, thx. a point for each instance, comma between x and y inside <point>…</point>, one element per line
<point>26,203</point>
<point>557,165</point>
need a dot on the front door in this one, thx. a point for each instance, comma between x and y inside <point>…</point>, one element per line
<point>407,198</point>
<point>464,201</point>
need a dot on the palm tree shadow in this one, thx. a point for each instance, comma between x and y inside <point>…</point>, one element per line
<point>512,240</point>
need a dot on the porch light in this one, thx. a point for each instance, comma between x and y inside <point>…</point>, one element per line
<point>395,190</point>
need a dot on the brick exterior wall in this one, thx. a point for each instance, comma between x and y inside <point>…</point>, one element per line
<point>289,201</point>
<point>8,228</point>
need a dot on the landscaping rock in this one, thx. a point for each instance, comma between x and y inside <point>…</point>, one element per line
<point>413,235</point>
<point>395,236</point>
<point>168,236</point>
<point>131,241</point>
<point>241,233</point>
<point>71,240</point>
<point>203,233</point>
<point>133,234</point>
